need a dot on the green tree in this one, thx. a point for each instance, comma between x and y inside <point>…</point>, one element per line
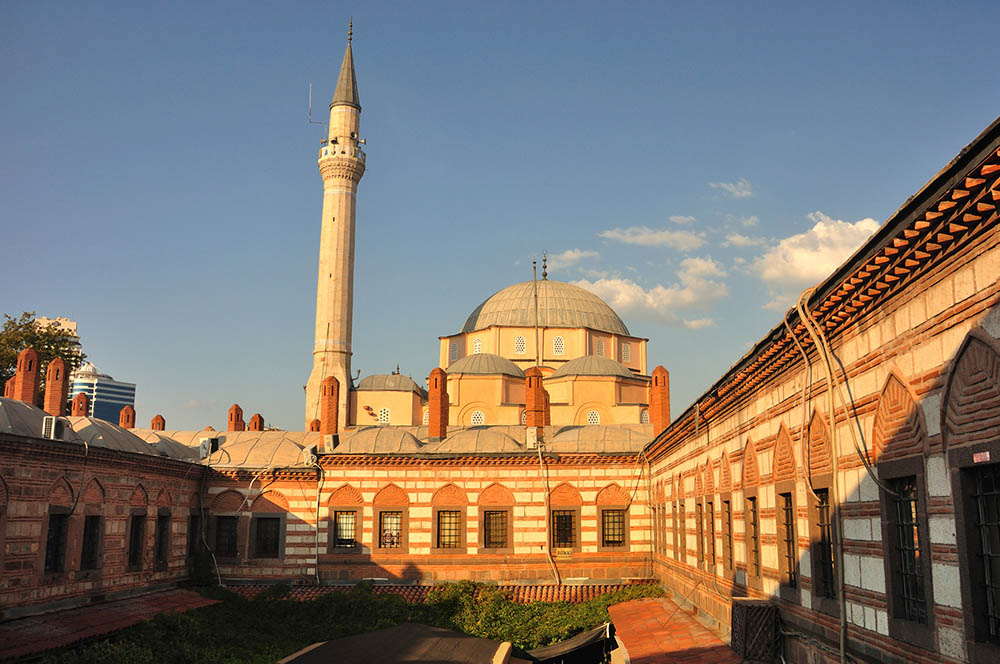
<point>48,341</point>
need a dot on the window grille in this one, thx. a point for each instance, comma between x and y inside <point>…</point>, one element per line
<point>563,528</point>
<point>390,530</point>
<point>710,516</point>
<point>700,526</point>
<point>753,536</point>
<point>91,542</point>
<point>677,550</point>
<point>727,533</point>
<point>427,418</point>
<point>162,539</point>
<point>626,352</point>
<point>449,527</point>
<point>478,418</point>
<point>613,528</point>
<point>520,347</point>
<point>383,415</point>
<point>909,586</point>
<point>453,352</point>
<point>477,346</point>
<point>524,417</point>
<point>344,528</point>
<point>194,534</point>
<point>986,498</point>
<point>557,346</point>
<point>593,417</point>
<point>225,536</point>
<point>683,534</point>
<point>788,546</point>
<point>55,543</point>
<point>824,548</point>
<point>644,416</point>
<point>266,538</point>
<point>600,347</point>
<point>495,530</point>
<point>137,537</point>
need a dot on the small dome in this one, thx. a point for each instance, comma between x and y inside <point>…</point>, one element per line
<point>594,365</point>
<point>392,383</point>
<point>559,305</point>
<point>478,440</point>
<point>607,439</point>
<point>99,433</point>
<point>261,449</point>
<point>485,364</point>
<point>23,419</point>
<point>378,440</point>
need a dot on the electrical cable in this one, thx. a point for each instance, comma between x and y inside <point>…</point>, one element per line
<point>548,535</point>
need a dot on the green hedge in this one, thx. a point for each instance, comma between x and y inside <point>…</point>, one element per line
<point>267,628</point>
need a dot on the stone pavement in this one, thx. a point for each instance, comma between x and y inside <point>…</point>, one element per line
<point>656,631</point>
<point>35,635</point>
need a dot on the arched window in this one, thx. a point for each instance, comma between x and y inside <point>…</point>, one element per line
<point>593,417</point>
<point>644,416</point>
<point>477,346</point>
<point>383,415</point>
<point>427,417</point>
<point>626,352</point>
<point>519,345</point>
<point>478,418</point>
<point>600,347</point>
<point>453,352</point>
<point>557,346</point>
<point>524,417</point>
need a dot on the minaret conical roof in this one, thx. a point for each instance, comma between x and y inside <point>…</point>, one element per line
<point>347,82</point>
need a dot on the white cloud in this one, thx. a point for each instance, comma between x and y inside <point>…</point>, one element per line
<point>738,240</point>
<point>200,404</point>
<point>569,258</point>
<point>681,219</point>
<point>751,221</point>
<point>807,258</point>
<point>699,286</point>
<point>739,189</point>
<point>649,237</point>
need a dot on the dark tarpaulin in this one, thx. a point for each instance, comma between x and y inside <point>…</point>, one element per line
<point>565,650</point>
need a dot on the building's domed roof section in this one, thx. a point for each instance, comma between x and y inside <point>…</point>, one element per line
<point>485,364</point>
<point>377,440</point>
<point>608,439</point>
<point>263,449</point>
<point>593,365</point>
<point>559,305</point>
<point>391,382</point>
<point>478,440</point>
<point>22,419</point>
<point>99,433</point>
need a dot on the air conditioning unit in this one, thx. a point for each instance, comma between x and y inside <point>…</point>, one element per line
<point>53,428</point>
<point>207,446</point>
<point>755,630</point>
<point>531,438</point>
<point>330,442</point>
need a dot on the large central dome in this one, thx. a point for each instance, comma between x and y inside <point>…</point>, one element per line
<point>559,305</point>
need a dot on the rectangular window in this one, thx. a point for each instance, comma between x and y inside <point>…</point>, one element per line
<point>727,534</point>
<point>225,536</point>
<point>344,528</point>
<point>985,546</point>
<point>162,539</point>
<point>267,537</point>
<point>826,586</point>
<point>449,529</point>
<point>626,352</point>
<point>495,530</point>
<point>91,542</point>
<point>563,528</point>
<point>55,543</point>
<point>136,540</point>
<point>700,526</point>
<point>677,536</point>
<point>390,529</point>
<point>194,535</point>
<point>710,517</point>
<point>613,528</point>
<point>682,535</point>
<point>753,537</point>
<point>908,581</point>
<point>787,543</point>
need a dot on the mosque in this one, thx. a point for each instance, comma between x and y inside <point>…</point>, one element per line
<point>845,470</point>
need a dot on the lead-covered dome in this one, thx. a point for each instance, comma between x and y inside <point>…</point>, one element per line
<point>559,305</point>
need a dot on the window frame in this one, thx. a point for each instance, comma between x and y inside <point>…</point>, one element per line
<point>626,544</point>
<point>558,345</point>
<point>136,515</point>
<point>726,503</point>
<point>820,602</point>
<point>593,415</point>
<point>331,531</point>
<point>404,523</point>
<point>162,540</point>
<point>98,543</point>
<point>226,556</point>
<point>699,516</point>
<point>57,571</point>
<point>682,532</point>
<point>520,345</point>
<point>509,529</point>
<point>194,528</point>
<point>254,543</point>
<point>751,543</point>
<point>712,553</point>
<point>791,593</point>
<point>574,511</point>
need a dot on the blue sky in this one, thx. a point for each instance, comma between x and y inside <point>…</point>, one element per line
<point>697,164</point>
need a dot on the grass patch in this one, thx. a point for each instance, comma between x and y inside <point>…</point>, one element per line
<point>267,628</point>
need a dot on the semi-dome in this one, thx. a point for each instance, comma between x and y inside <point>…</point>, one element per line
<point>485,364</point>
<point>391,382</point>
<point>593,365</point>
<point>559,305</point>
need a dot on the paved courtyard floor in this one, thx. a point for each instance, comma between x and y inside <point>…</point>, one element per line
<point>656,631</point>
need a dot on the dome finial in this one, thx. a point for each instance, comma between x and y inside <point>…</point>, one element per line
<point>350,29</point>
<point>545,267</point>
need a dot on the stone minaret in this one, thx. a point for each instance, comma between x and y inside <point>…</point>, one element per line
<point>341,163</point>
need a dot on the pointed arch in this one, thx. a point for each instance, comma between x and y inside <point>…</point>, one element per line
<point>678,486</point>
<point>163,499</point>
<point>271,502</point>
<point>227,501</point>
<point>391,495</point>
<point>751,470</point>
<point>708,478</point>
<point>565,494</point>
<point>496,494</point>
<point>783,467</point>
<point>973,389</point>
<point>725,473</point>
<point>61,493</point>
<point>93,493</point>
<point>345,495</point>
<point>898,429</point>
<point>139,497</point>
<point>818,453</point>
<point>449,494</point>
<point>699,486</point>
<point>612,494</point>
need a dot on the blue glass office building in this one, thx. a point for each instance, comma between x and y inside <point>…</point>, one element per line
<point>107,396</point>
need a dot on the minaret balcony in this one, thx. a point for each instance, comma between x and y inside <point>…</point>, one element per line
<point>330,149</point>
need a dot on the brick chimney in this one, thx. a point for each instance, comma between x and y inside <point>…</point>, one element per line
<point>236,422</point>
<point>8,388</point>
<point>80,406</point>
<point>329,406</point>
<point>56,388</point>
<point>547,418</point>
<point>26,377</point>
<point>126,418</point>
<point>158,423</point>
<point>659,399</point>
<point>314,426</point>
<point>535,401</point>
<point>437,405</point>
<point>257,422</point>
